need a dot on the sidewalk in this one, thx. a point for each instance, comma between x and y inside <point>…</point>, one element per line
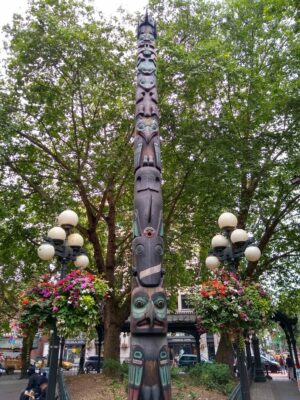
<point>279,388</point>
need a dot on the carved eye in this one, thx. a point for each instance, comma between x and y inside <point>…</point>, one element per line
<point>160,304</point>
<point>140,303</point>
<point>140,125</point>
<point>139,249</point>
<point>158,250</point>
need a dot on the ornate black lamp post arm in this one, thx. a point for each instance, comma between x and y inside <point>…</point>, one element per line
<point>228,248</point>
<point>66,247</point>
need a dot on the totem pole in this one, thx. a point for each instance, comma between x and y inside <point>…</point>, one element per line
<point>149,372</point>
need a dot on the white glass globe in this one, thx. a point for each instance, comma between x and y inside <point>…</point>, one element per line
<point>67,217</point>
<point>75,240</point>
<point>239,235</point>
<point>252,253</point>
<point>219,241</point>
<point>81,261</point>
<point>57,233</point>
<point>212,262</point>
<point>46,251</point>
<point>227,220</point>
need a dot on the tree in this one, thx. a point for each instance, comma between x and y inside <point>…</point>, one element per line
<point>66,131</point>
<point>227,84</point>
<point>8,305</point>
<point>230,100</point>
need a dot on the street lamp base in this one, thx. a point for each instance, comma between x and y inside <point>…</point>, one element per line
<point>259,376</point>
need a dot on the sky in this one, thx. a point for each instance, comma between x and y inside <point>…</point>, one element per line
<point>109,7</point>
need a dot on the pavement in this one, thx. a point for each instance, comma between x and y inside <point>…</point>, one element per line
<point>279,388</point>
<point>11,386</point>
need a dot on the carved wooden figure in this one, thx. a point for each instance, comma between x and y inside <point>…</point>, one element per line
<point>149,372</point>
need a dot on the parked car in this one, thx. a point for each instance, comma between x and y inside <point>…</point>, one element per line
<point>41,363</point>
<point>187,360</point>
<point>91,363</point>
<point>273,366</point>
<point>67,364</point>
<point>2,370</point>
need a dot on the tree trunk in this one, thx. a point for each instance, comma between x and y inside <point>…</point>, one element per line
<point>225,353</point>
<point>81,360</point>
<point>100,334</point>
<point>25,355</point>
<point>112,330</point>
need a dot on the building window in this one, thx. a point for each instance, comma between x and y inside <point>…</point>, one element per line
<point>184,303</point>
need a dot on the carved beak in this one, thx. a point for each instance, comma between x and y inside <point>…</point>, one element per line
<point>148,130</point>
<point>149,314</point>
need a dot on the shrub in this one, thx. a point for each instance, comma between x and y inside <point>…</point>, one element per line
<point>175,373</point>
<point>114,369</point>
<point>213,376</point>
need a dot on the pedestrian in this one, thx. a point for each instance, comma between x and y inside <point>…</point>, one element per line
<point>43,384</point>
<point>32,388</point>
<point>282,364</point>
<point>290,366</point>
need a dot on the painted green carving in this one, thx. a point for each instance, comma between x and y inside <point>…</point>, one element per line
<point>161,230</point>
<point>157,154</point>
<point>147,67</point>
<point>144,307</point>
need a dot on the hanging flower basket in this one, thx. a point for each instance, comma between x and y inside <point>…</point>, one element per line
<point>226,303</point>
<point>75,303</point>
<point>36,304</point>
<point>78,303</point>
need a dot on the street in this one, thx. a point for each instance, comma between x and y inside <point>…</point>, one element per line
<point>11,386</point>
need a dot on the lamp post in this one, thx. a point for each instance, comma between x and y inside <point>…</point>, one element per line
<point>228,248</point>
<point>66,246</point>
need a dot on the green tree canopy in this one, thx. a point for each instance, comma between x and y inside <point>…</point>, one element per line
<point>227,75</point>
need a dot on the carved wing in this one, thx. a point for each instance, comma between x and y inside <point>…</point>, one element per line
<point>164,373</point>
<point>135,375</point>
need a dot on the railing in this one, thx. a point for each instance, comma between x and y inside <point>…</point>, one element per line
<point>63,393</point>
<point>236,394</point>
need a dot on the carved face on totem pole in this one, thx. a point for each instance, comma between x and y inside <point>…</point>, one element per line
<point>147,128</point>
<point>146,31</point>
<point>148,311</point>
<point>148,243</point>
<point>148,253</point>
<point>147,82</point>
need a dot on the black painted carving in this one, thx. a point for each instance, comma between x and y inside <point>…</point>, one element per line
<point>149,374</point>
